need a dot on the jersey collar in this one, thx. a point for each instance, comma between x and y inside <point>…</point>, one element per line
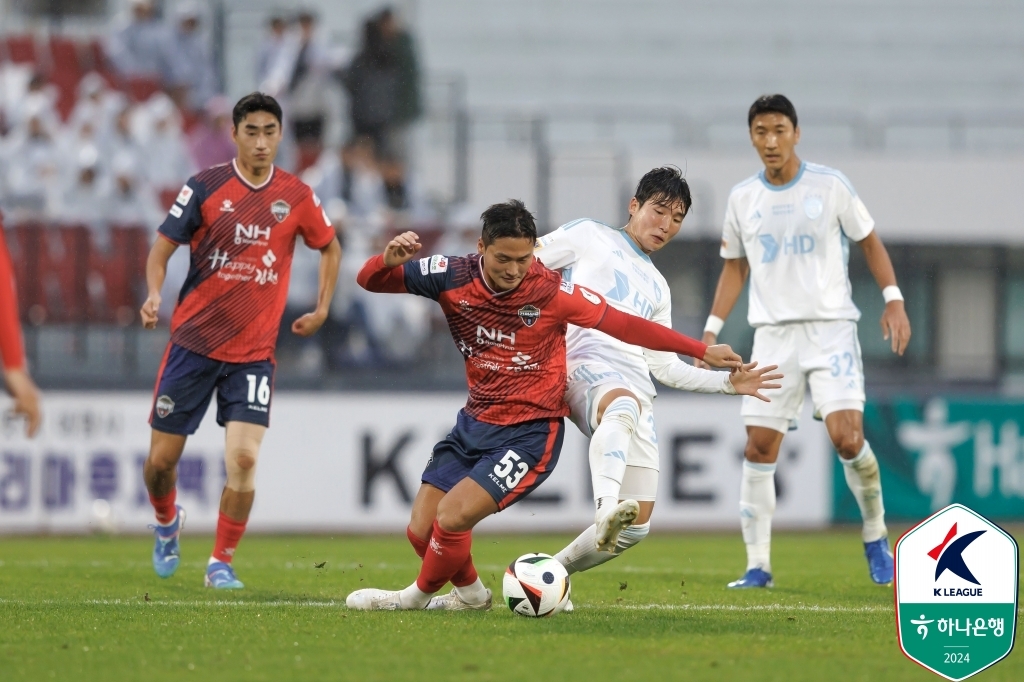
<point>782,188</point>
<point>634,245</point>
<point>238,174</point>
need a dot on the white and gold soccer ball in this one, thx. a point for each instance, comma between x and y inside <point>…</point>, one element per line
<point>536,585</point>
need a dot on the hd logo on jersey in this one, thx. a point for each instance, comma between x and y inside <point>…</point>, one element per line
<point>956,592</point>
<point>797,245</point>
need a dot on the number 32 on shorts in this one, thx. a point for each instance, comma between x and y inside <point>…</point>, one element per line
<point>504,469</point>
<point>842,363</point>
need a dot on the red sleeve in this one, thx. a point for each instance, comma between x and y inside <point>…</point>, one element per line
<point>316,228</point>
<point>12,352</point>
<point>650,335</point>
<point>377,277</point>
<point>584,308</point>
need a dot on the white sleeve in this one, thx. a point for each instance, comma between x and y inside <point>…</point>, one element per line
<point>562,247</point>
<point>732,244</point>
<point>674,373</point>
<point>853,215</point>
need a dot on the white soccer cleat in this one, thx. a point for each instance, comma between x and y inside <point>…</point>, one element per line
<point>610,524</point>
<point>372,599</point>
<point>453,602</point>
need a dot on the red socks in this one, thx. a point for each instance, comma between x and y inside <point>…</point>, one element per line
<point>446,555</point>
<point>164,506</point>
<point>466,575</point>
<point>229,534</point>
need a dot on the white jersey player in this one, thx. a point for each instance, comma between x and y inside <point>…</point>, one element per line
<point>789,228</point>
<point>610,392</point>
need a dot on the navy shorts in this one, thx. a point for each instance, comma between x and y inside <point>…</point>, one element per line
<point>185,385</point>
<point>509,462</point>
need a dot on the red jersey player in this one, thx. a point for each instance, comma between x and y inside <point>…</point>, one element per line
<point>507,314</point>
<point>240,221</point>
<point>12,352</point>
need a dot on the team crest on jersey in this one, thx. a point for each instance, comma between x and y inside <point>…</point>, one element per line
<point>280,209</point>
<point>164,406</point>
<point>813,207</point>
<point>529,315</point>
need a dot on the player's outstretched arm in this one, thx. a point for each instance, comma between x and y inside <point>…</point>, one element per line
<point>730,286</point>
<point>749,380</point>
<point>156,273</point>
<point>895,323</point>
<point>330,262</point>
<point>381,273</point>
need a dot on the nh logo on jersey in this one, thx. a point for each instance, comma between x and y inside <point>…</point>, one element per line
<point>529,315</point>
<point>280,209</point>
<point>956,592</point>
<point>621,290</point>
<point>251,234</point>
<point>493,336</point>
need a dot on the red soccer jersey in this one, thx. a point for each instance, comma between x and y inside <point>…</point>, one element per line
<point>514,341</point>
<point>12,351</point>
<point>242,239</point>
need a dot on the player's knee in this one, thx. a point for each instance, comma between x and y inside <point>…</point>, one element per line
<point>759,452</point>
<point>162,461</point>
<point>453,518</point>
<point>245,460</point>
<point>849,444</point>
<point>624,410</point>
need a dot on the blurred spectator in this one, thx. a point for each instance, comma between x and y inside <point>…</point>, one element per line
<point>33,171</point>
<point>39,99</point>
<point>83,199</point>
<point>383,85</point>
<point>124,138</point>
<point>141,46</point>
<point>131,200</point>
<point>97,106</point>
<point>167,161</point>
<point>194,70</point>
<point>209,141</point>
<point>274,42</point>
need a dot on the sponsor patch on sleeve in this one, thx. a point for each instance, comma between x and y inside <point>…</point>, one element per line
<point>424,266</point>
<point>593,298</point>
<point>185,195</point>
<point>567,287</point>
<point>176,211</point>
<point>438,264</point>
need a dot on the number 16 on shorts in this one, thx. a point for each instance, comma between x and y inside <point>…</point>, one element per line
<point>259,392</point>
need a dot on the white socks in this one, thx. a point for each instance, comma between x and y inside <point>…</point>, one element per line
<point>473,594</point>
<point>757,505</point>
<point>608,448</point>
<point>413,598</point>
<point>581,554</point>
<point>865,483</point>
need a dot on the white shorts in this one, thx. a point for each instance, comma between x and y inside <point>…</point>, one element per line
<point>588,383</point>
<point>823,355</point>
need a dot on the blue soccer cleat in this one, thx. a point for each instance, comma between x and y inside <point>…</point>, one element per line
<point>754,577</point>
<point>879,561</point>
<point>221,576</point>
<point>166,552</point>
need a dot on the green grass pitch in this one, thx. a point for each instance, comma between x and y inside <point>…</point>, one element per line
<point>92,609</point>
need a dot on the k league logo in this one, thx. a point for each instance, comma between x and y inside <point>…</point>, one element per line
<point>956,592</point>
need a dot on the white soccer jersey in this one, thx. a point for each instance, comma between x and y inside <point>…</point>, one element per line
<point>796,239</point>
<point>607,260</point>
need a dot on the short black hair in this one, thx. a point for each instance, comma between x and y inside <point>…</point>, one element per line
<point>510,219</point>
<point>666,186</point>
<point>778,104</point>
<point>255,101</point>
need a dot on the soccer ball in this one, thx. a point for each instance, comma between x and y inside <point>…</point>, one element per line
<point>536,585</point>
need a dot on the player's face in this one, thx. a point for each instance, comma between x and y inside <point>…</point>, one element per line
<point>257,136</point>
<point>774,138</point>
<point>654,224</point>
<point>506,261</point>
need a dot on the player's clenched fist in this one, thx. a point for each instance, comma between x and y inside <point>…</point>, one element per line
<point>149,311</point>
<point>722,355</point>
<point>401,249</point>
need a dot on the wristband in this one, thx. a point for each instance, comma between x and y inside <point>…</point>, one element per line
<point>892,293</point>
<point>715,324</point>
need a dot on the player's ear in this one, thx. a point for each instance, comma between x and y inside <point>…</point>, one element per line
<point>480,248</point>
<point>634,206</point>
<point>796,135</point>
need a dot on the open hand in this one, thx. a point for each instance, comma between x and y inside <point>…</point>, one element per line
<point>149,311</point>
<point>750,381</point>
<point>721,355</point>
<point>896,326</point>
<point>401,249</point>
